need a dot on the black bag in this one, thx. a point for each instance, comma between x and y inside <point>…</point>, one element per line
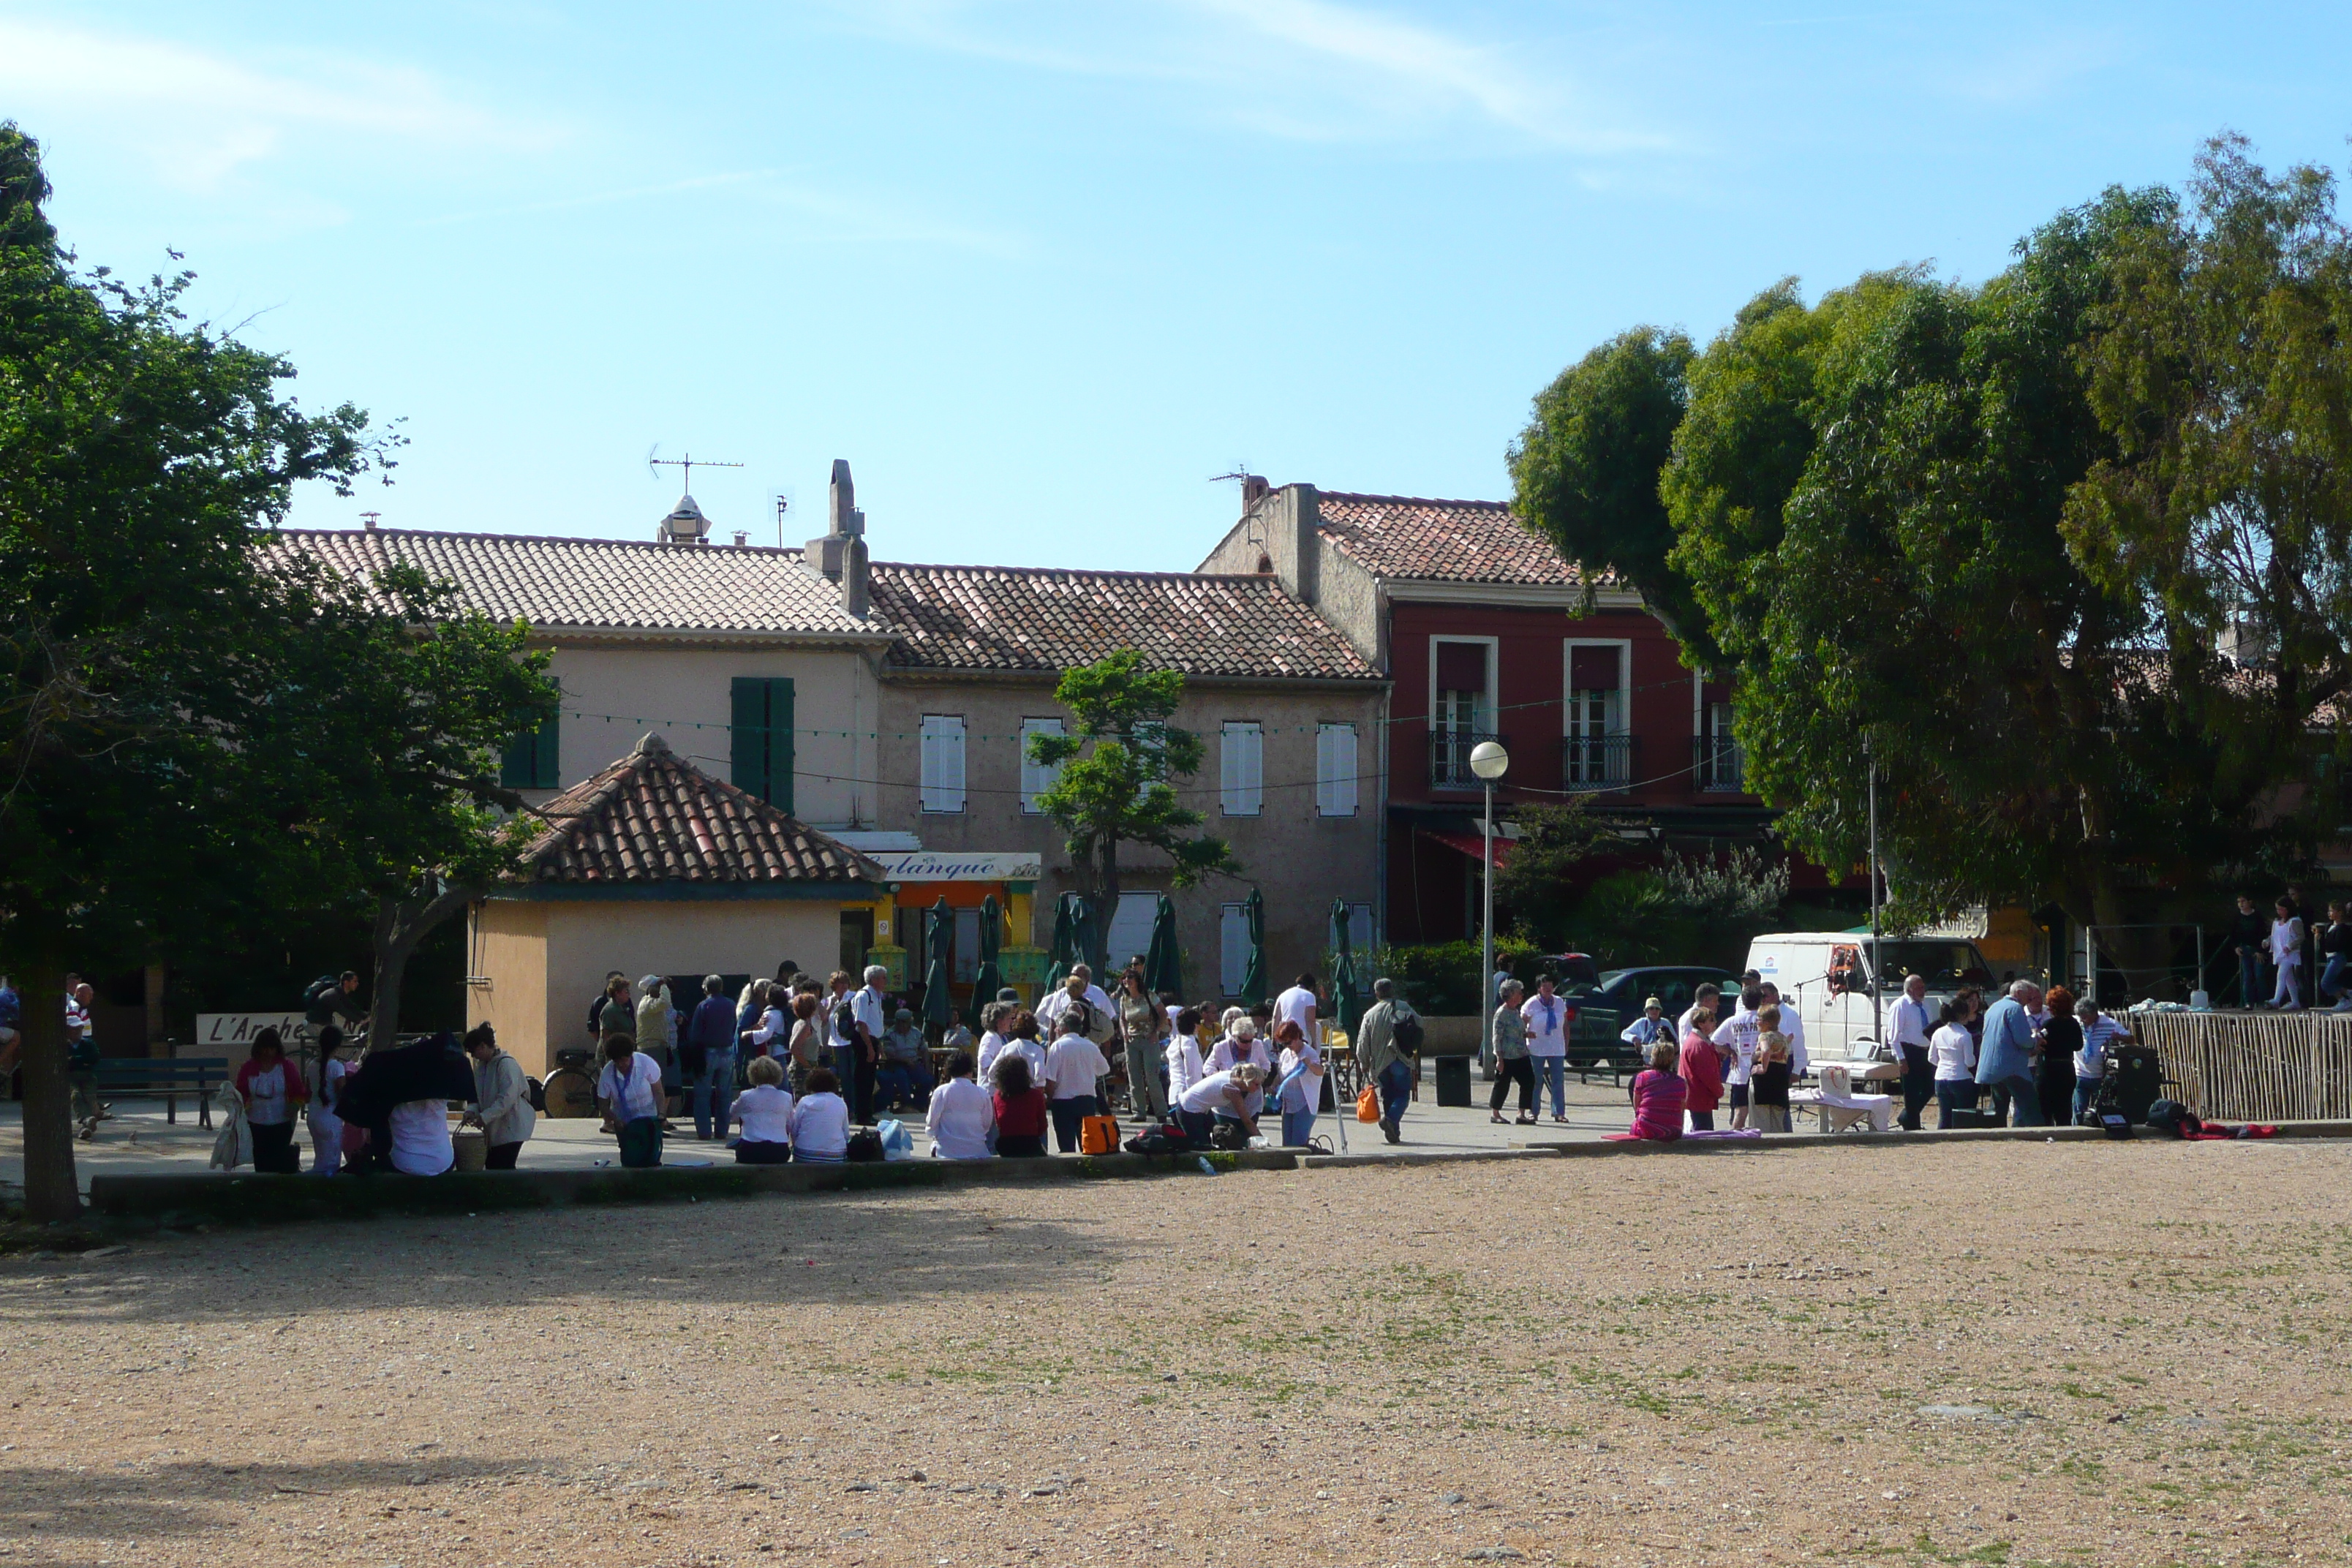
<point>864,1146</point>
<point>536,1093</point>
<point>1160,1141</point>
<point>1965,1117</point>
<point>1229,1134</point>
<point>2171,1116</point>
<point>1407,1032</point>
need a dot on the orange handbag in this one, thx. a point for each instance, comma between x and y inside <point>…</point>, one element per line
<point>1098,1135</point>
<point>1368,1104</point>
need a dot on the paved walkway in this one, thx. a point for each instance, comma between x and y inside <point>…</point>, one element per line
<point>138,1140</point>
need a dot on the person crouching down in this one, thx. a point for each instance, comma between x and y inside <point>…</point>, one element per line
<point>630,1089</point>
<point>1222,1096</point>
<point>501,1100</point>
<point>820,1121</point>
<point>1659,1095</point>
<point>764,1111</point>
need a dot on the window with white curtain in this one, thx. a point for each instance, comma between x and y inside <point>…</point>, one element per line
<point>1241,767</point>
<point>1233,949</point>
<point>943,788</point>
<point>1035,781</point>
<point>1335,770</point>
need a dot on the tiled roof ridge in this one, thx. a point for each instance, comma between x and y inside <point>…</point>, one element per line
<point>650,544</point>
<point>1321,494</point>
<point>1124,573</point>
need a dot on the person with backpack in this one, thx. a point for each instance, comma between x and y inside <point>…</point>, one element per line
<point>1386,1035</point>
<point>501,1100</point>
<point>332,1000</point>
<point>1080,996</point>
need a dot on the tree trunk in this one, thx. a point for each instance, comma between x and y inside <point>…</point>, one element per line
<point>400,925</point>
<point>1106,906</point>
<point>52,1193</point>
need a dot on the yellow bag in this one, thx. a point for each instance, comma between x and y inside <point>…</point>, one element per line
<point>1368,1104</point>
<point>1098,1135</point>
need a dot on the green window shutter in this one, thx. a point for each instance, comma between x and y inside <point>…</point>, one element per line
<point>530,760</point>
<point>748,736</point>
<point>761,742</point>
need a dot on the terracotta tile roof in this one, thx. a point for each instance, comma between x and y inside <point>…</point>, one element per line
<point>653,818</point>
<point>1443,541</point>
<point>1023,618</point>
<point>598,584</point>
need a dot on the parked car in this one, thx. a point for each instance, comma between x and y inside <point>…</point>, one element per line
<point>1614,999</point>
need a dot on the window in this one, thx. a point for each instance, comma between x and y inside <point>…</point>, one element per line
<point>942,763</point>
<point>530,760</point>
<point>760,737</point>
<point>1335,770</point>
<point>1362,938</point>
<point>1241,766</point>
<point>1130,929</point>
<point>965,966</point>
<point>1233,949</point>
<point>1598,752</point>
<point>1035,781</point>
<point>1461,707</point>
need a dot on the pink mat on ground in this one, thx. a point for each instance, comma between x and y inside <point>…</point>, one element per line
<point>1718,1134</point>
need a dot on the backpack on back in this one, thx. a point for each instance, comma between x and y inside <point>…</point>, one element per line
<point>1407,1032</point>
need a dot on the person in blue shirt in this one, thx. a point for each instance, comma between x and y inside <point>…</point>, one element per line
<point>1649,1028</point>
<point>710,1049</point>
<point>2005,1061</point>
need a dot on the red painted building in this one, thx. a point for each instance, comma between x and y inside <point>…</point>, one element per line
<point>1486,634</point>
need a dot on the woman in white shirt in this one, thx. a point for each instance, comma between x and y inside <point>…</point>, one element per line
<point>1547,1017</point>
<point>421,1144</point>
<point>963,1117</point>
<point>1242,1048</point>
<point>1301,1096</point>
<point>2287,952</point>
<point>1953,1052</point>
<point>820,1121</point>
<point>631,1090</point>
<point>1185,1067</point>
<point>1221,1097</point>
<point>326,1124</point>
<point>764,1111</point>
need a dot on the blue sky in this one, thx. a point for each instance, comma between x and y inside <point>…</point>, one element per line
<point>1040,271</point>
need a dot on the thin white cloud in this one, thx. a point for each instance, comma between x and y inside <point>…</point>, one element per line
<point>1308,69</point>
<point>199,117</point>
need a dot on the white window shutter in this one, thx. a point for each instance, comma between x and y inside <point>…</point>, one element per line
<point>1335,770</point>
<point>942,760</point>
<point>1241,768</point>
<point>1253,780</point>
<point>1035,781</point>
<point>1233,949</point>
<point>1228,770</point>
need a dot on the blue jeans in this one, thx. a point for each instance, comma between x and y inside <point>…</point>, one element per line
<point>1396,1091</point>
<point>844,1067</point>
<point>2331,980</point>
<point>2024,1100</point>
<point>1297,1126</point>
<point>1554,1070</point>
<point>1068,1114</point>
<point>2250,979</point>
<point>1954,1094</point>
<point>714,1095</point>
<point>2086,1092</point>
<point>907,1083</point>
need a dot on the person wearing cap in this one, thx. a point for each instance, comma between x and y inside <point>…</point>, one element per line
<point>902,1078</point>
<point>657,1037</point>
<point>1649,1028</point>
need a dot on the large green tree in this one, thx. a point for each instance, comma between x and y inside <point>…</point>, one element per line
<point>1117,767</point>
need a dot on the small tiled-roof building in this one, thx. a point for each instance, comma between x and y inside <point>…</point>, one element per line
<point>654,867</point>
<point>1488,632</point>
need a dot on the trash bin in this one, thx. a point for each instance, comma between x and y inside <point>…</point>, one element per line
<point>1453,1080</point>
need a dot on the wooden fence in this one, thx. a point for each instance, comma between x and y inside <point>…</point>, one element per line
<point>2255,1067</point>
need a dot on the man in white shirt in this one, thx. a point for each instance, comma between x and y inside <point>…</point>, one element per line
<point>1185,1067</point>
<point>1908,1027</point>
<point>631,1088</point>
<point>1709,993</point>
<point>870,1004</point>
<point>1736,1037</point>
<point>1297,1005</point>
<point>1075,1066</point>
<point>1548,1016</point>
<point>1079,993</point>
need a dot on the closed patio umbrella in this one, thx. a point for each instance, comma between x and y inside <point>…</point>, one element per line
<point>939,935</point>
<point>1347,987</point>
<point>987,978</point>
<point>1086,936</point>
<point>1254,976</point>
<point>1063,947</point>
<point>1164,962</point>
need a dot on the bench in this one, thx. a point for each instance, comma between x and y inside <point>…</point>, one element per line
<point>167,1077</point>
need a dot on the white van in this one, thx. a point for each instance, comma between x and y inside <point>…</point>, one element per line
<point>1831,975</point>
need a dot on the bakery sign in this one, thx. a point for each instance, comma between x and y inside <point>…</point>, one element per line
<point>946,866</point>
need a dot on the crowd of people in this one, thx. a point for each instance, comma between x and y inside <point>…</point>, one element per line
<point>2307,960</point>
<point>2041,1057</point>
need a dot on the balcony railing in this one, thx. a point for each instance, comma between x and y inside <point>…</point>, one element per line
<point>1449,757</point>
<point>1717,766</point>
<point>1598,762</point>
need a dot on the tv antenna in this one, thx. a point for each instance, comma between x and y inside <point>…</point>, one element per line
<point>1241,474</point>
<point>688,464</point>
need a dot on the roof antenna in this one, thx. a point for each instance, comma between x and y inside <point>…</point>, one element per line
<point>688,463</point>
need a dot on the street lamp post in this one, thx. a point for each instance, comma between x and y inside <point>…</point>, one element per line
<point>1877,947</point>
<point>1490,761</point>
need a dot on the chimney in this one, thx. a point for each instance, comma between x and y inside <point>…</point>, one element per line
<point>840,552</point>
<point>1253,490</point>
<point>742,540</point>
<point>367,519</point>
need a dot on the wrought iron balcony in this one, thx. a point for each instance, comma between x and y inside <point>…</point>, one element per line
<point>1449,757</point>
<point>1598,762</point>
<point>1717,767</point>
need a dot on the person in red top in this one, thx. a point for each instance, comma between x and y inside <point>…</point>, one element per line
<point>271,1088</point>
<point>1020,1109</point>
<point>1702,1075</point>
<point>1658,1096</point>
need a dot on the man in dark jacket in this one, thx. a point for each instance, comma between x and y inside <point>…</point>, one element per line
<point>708,1054</point>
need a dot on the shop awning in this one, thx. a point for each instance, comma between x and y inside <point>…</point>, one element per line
<point>1473,844</point>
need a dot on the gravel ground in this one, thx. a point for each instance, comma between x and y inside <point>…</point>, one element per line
<point>2092,1353</point>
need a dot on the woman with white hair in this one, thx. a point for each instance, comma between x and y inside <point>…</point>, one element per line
<point>1241,1047</point>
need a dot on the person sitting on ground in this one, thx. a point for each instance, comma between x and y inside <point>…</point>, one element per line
<point>961,1120</point>
<point>502,1100</point>
<point>421,1144</point>
<point>1182,1054</point>
<point>1659,1095</point>
<point>630,1089</point>
<point>994,1020</point>
<point>820,1121</point>
<point>1075,1069</point>
<point>271,1088</point>
<point>903,1077</point>
<point>1701,1070</point>
<point>1768,1087</point>
<point>1225,1096</point>
<point>1512,1064</point>
<point>1301,1097</point>
<point>764,1111</point>
<point>1021,1040</point>
<point>1020,1107</point>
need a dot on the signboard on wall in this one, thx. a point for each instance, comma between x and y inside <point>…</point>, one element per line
<point>217,1031</point>
<point>946,866</point>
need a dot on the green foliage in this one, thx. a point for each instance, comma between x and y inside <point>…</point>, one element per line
<point>1441,978</point>
<point>1115,769</point>
<point>1585,470</point>
<point>1627,919</point>
<point>1538,884</point>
